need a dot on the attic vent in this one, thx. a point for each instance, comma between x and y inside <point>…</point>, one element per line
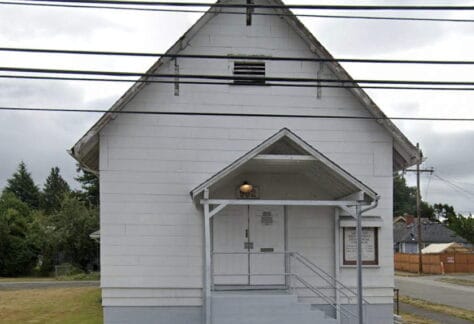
<point>251,73</point>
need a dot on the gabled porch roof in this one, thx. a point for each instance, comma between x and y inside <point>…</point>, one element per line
<point>285,152</point>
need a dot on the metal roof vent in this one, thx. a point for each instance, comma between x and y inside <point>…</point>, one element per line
<point>249,73</point>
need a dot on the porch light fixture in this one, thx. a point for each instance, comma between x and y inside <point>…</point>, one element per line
<point>245,187</point>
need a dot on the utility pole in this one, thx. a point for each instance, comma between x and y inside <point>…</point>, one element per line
<point>418,205</point>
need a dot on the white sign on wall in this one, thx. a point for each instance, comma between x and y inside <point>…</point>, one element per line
<point>369,245</point>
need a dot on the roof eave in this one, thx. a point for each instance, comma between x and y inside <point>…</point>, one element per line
<point>401,143</point>
<point>90,138</point>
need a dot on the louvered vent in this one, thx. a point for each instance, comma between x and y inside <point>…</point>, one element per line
<point>251,73</point>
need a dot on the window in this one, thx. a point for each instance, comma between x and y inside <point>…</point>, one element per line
<point>370,249</point>
<point>249,73</point>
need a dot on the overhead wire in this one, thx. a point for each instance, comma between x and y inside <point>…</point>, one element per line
<point>297,85</point>
<point>270,6</point>
<point>256,115</point>
<point>456,187</point>
<point>65,5</point>
<point>237,57</point>
<point>235,77</point>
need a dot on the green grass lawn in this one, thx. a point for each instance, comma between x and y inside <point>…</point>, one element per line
<point>51,305</point>
<point>25,279</point>
<point>78,276</point>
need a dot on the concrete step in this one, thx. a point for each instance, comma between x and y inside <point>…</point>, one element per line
<point>256,308</point>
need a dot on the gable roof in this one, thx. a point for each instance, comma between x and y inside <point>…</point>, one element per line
<point>431,233</point>
<point>85,151</point>
<point>282,143</point>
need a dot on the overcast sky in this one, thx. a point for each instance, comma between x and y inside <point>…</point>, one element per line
<point>41,139</point>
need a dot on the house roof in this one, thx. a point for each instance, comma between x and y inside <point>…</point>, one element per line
<point>286,146</point>
<point>431,233</point>
<point>404,152</point>
<point>444,247</point>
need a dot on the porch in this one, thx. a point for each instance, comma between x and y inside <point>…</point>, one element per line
<point>271,225</point>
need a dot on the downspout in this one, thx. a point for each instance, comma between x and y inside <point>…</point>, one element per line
<point>374,204</point>
<point>360,305</point>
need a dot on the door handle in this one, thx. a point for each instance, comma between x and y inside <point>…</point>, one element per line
<point>248,245</point>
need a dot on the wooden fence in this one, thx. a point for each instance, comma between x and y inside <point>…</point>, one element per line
<point>436,263</point>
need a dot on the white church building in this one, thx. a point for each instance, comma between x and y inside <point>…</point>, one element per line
<point>238,202</point>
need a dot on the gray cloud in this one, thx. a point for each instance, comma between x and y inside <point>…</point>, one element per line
<point>367,38</point>
<point>41,139</point>
<point>51,23</point>
<point>452,157</point>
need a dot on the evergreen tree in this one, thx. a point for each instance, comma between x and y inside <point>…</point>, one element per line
<point>23,187</point>
<point>90,187</point>
<point>54,191</point>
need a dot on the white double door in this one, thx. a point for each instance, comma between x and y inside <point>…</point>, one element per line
<point>248,245</point>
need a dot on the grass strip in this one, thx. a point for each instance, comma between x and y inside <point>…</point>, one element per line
<point>457,281</point>
<point>448,310</point>
<point>409,318</point>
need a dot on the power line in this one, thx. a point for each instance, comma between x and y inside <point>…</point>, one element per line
<point>459,187</point>
<point>233,77</point>
<point>237,57</point>
<point>423,19</point>
<point>290,6</point>
<point>185,113</point>
<point>456,187</point>
<point>297,85</point>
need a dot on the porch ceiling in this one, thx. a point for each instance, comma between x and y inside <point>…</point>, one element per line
<point>287,154</point>
<point>314,171</point>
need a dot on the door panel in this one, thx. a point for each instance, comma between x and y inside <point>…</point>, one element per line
<point>267,232</point>
<point>229,235</point>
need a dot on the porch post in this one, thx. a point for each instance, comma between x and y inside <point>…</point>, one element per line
<point>360,310</point>
<point>207,260</point>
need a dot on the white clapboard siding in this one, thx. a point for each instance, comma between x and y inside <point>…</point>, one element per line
<point>151,232</point>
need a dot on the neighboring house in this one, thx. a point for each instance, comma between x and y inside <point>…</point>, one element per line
<point>405,237</point>
<point>244,219</point>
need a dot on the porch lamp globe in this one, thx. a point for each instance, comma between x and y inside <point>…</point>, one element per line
<point>245,187</point>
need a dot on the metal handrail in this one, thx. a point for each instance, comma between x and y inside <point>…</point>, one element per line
<point>321,276</point>
<point>343,310</point>
<point>313,267</point>
<point>315,290</point>
<point>298,255</point>
<point>333,282</point>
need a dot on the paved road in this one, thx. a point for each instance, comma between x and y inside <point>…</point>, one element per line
<point>46,284</point>
<point>429,289</point>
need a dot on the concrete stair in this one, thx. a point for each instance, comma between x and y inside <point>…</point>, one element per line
<point>246,307</point>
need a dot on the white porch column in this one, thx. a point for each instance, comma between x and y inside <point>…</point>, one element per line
<point>360,306</point>
<point>207,259</point>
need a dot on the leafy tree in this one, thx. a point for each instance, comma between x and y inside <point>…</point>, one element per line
<point>444,211</point>
<point>44,235</point>
<point>72,226</point>
<point>23,187</point>
<point>18,252</point>
<point>404,197</point>
<point>90,187</point>
<point>54,191</point>
<point>427,211</point>
<point>461,225</point>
